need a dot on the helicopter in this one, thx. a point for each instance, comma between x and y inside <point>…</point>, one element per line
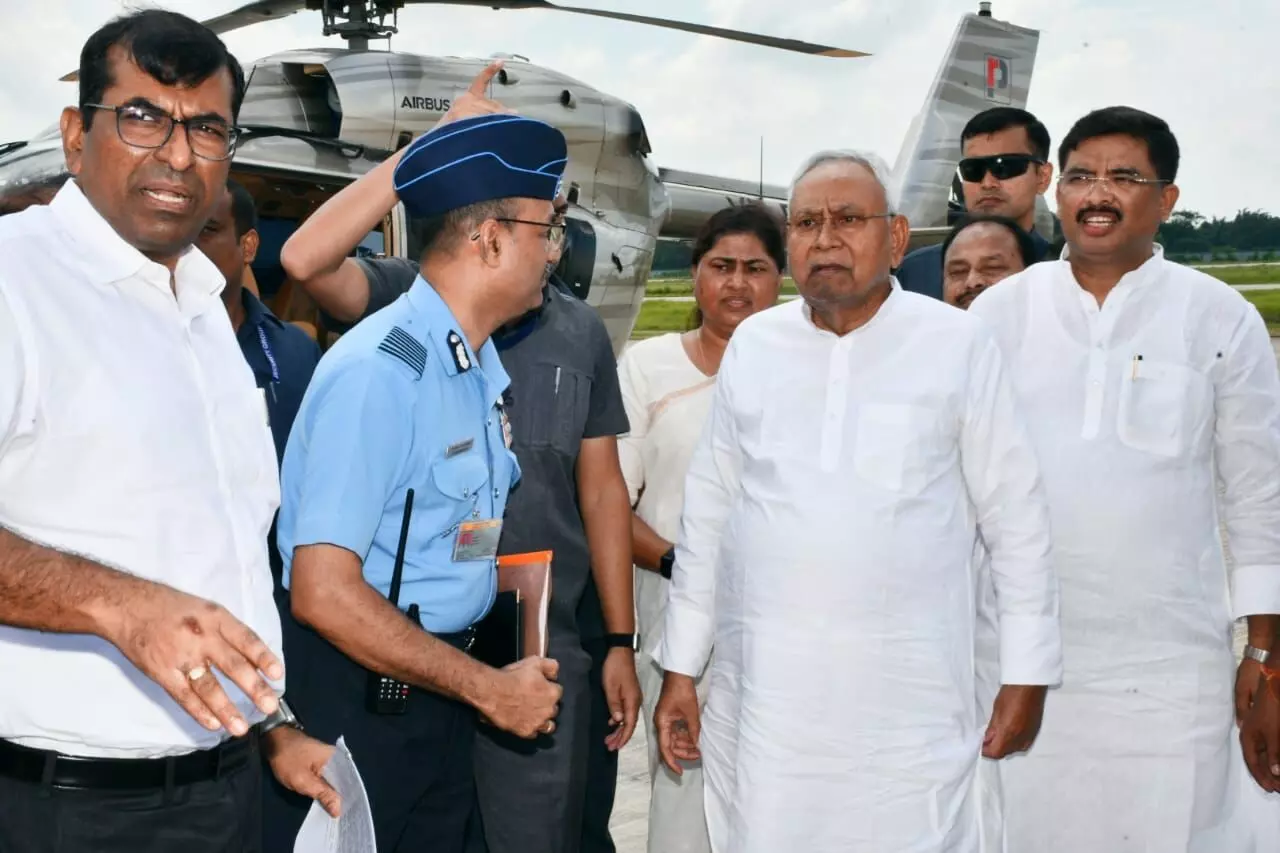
<point>314,120</point>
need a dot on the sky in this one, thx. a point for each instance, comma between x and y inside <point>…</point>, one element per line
<point>1208,67</point>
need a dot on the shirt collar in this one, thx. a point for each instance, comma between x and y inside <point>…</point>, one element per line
<point>255,310</point>
<point>107,258</point>
<point>442,325</point>
<point>1132,280</point>
<point>890,304</point>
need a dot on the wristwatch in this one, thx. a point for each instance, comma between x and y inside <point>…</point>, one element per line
<point>668,560</point>
<point>1254,653</point>
<point>620,641</point>
<point>283,716</point>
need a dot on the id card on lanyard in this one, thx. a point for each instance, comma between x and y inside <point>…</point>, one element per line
<point>271,360</point>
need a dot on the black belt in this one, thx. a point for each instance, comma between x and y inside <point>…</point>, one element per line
<point>41,766</point>
<point>462,640</point>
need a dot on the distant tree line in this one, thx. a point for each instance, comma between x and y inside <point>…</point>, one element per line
<point>1251,234</point>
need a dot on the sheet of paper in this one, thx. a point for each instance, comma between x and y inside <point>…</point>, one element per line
<point>352,831</point>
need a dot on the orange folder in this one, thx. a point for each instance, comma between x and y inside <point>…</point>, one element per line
<point>530,576</point>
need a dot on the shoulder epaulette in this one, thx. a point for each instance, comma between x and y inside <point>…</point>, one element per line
<point>402,346</point>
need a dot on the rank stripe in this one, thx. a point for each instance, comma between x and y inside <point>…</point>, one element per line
<point>401,346</point>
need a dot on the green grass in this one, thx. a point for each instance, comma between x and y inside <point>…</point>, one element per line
<point>1268,304</point>
<point>658,317</point>
<point>684,287</point>
<point>1252,274</point>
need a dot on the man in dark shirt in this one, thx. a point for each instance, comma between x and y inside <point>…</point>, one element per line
<point>280,354</point>
<point>1004,168</point>
<point>566,413</point>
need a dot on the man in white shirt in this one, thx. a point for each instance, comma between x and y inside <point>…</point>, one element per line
<point>137,481</point>
<point>858,439</point>
<point>1148,387</point>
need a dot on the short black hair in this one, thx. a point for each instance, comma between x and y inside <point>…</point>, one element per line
<point>172,48</point>
<point>1162,145</point>
<point>441,233</point>
<point>997,119</point>
<point>243,210</point>
<point>1026,246</point>
<point>751,218</point>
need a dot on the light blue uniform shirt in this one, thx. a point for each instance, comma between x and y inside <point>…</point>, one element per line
<point>402,402</point>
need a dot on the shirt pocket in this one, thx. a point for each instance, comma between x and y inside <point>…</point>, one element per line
<point>896,446</point>
<point>551,410</point>
<point>1159,407</point>
<point>462,479</point>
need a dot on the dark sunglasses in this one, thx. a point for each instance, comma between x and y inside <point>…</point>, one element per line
<point>1001,166</point>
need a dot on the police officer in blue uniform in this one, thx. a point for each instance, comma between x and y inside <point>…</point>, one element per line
<point>410,401</point>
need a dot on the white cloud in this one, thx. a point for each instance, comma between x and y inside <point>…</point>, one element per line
<point>706,103</point>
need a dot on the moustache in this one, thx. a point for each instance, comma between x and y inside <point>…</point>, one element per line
<point>1100,208</point>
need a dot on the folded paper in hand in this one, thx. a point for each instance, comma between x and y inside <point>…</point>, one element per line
<point>352,831</point>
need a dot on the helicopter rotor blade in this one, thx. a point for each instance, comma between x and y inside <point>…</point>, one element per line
<point>666,23</point>
<point>266,10</point>
<point>717,32</point>
<point>247,15</point>
<point>254,13</point>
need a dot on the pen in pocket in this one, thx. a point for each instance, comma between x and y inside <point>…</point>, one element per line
<point>557,382</point>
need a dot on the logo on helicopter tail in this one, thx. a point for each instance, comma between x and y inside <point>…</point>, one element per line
<point>418,102</point>
<point>999,80</point>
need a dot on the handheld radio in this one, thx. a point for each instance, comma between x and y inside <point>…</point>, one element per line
<point>384,694</point>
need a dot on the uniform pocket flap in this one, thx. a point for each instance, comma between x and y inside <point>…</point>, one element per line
<point>461,477</point>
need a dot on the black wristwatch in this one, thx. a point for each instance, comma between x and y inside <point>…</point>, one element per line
<point>668,560</point>
<point>620,641</point>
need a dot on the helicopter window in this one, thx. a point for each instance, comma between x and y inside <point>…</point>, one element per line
<point>578,257</point>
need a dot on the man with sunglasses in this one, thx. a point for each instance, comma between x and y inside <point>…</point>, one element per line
<point>566,411</point>
<point>1003,170</point>
<point>1153,399</point>
<point>137,481</point>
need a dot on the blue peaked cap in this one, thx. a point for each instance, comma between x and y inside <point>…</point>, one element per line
<point>480,159</point>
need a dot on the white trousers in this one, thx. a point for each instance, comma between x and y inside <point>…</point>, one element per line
<point>677,814</point>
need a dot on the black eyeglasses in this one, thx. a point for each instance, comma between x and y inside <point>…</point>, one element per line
<point>143,127</point>
<point>1001,166</point>
<point>555,232</point>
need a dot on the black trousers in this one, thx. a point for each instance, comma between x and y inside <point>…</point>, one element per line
<point>221,815</point>
<point>602,765</point>
<point>416,767</point>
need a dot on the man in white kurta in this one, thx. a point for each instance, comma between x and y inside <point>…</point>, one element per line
<point>1146,385</point>
<point>825,549</point>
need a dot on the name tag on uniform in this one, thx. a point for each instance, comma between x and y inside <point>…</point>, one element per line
<point>477,540</point>
<point>461,447</point>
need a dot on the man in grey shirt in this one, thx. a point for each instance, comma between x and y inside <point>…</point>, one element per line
<point>566,413</point>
